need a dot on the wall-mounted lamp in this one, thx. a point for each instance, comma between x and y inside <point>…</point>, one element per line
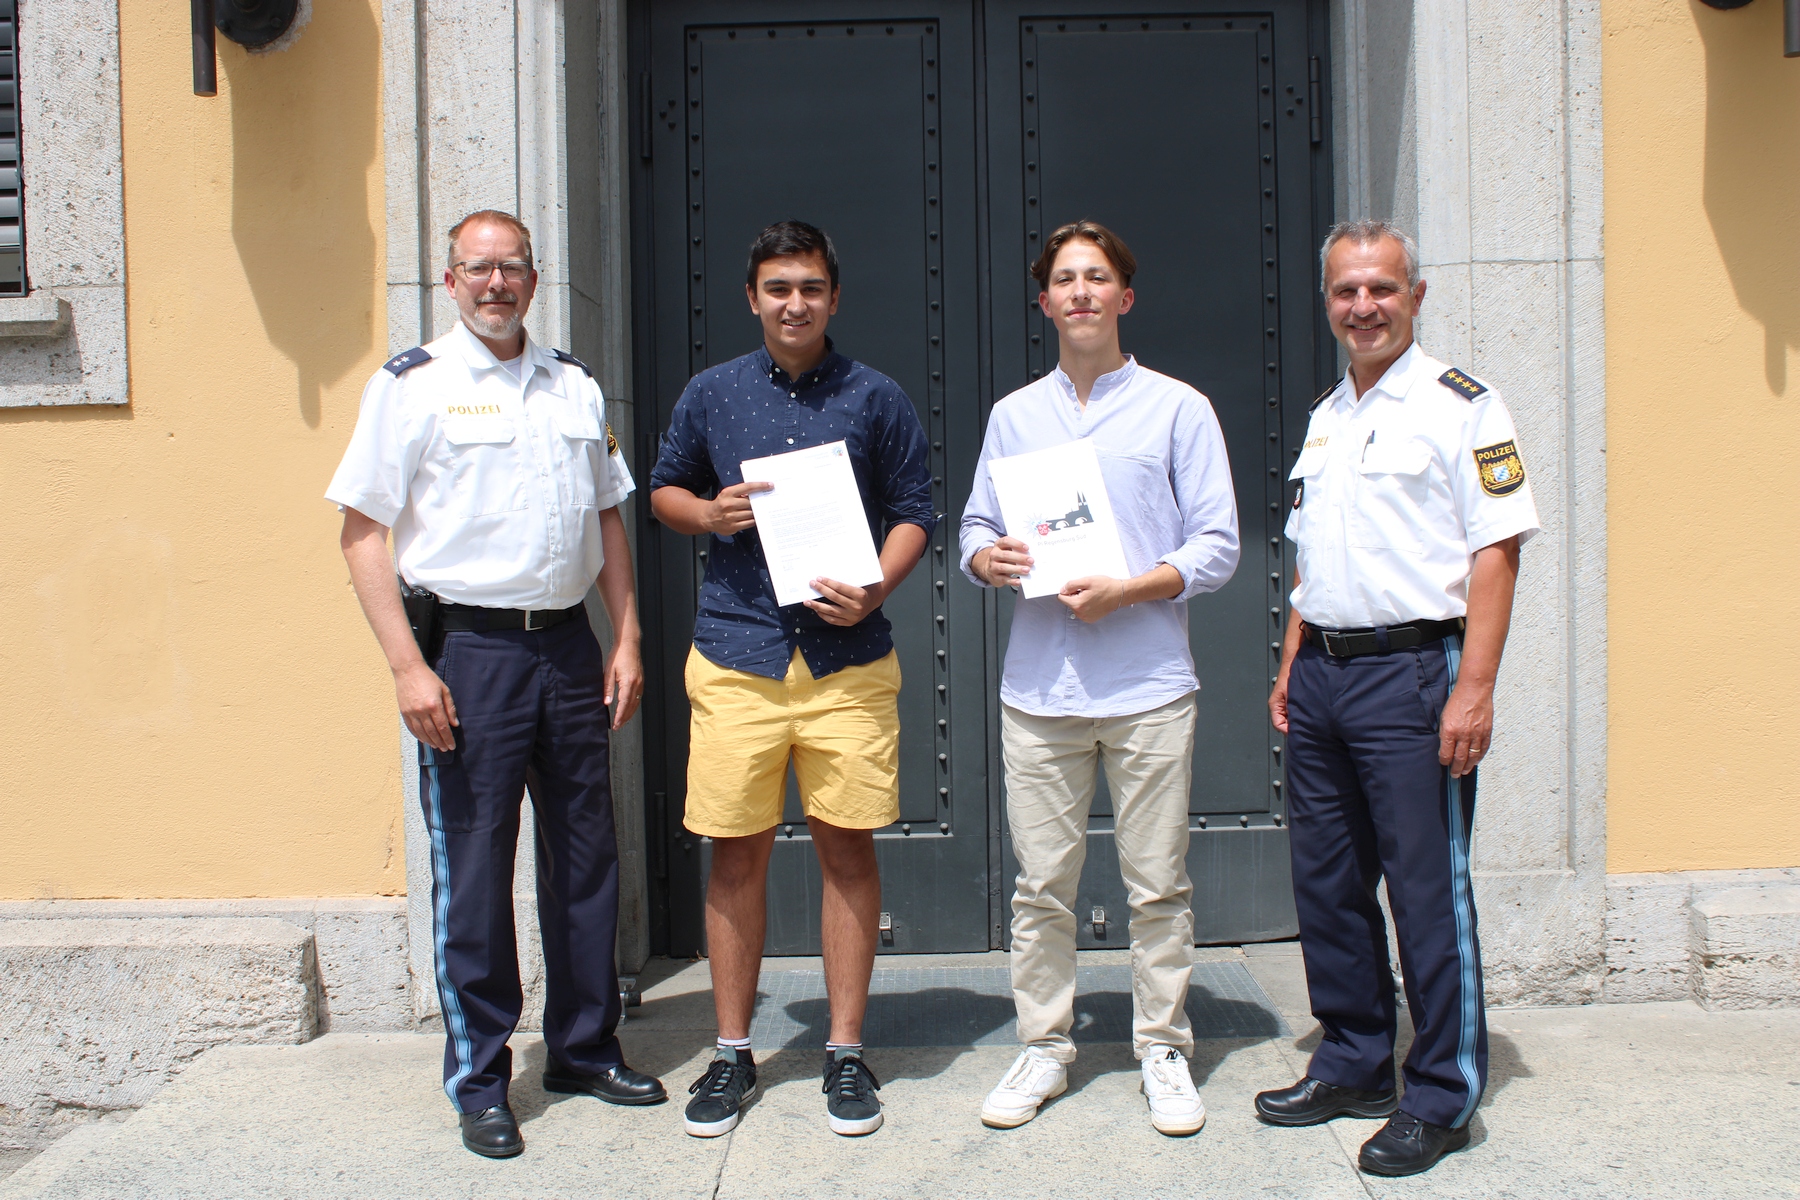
<point>1791,38</point>
<point>252,24</point>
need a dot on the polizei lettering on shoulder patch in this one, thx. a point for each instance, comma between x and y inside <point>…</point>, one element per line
<point>1462,384</point>
<point>1502,470</point>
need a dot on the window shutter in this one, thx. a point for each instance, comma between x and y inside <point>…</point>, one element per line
<point>12,216</point>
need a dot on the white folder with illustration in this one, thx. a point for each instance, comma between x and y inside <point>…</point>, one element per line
<point>811,522</point>
<point>1055,502</point>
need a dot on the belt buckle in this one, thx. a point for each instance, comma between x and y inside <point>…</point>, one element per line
<point>529,613</point>
<point>1328,635</point>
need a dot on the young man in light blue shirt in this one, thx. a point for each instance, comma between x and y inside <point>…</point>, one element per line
<point>1101,674</point>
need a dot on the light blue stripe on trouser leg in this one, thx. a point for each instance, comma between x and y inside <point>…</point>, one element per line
<point>1463,901</point>
<point>454,1022</point>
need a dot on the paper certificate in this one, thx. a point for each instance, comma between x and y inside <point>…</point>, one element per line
<point>811,523</point>
<point>1055,502</point>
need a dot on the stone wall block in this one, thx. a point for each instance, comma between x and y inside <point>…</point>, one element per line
<point>1517,123</point>
<point>96,1014</point>
<point>85,365</point>
<point>1746,941</point>
<point>363,976</point>
<point>1540,938</point>
<point>1648,938</point>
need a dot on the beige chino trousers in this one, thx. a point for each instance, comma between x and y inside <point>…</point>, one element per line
<point>1050,765</point>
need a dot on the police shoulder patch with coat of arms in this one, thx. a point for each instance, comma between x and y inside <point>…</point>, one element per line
<point>1502,470</point>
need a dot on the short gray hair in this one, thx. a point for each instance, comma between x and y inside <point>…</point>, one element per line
<point>1371,230</point>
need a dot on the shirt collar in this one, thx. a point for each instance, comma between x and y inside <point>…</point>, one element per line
<point>1397,380</point>
<point>477,357</point>
<point>773,372</point>
<point>1103,386</point>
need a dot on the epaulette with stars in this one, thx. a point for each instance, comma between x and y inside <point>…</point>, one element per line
<point>1462,383</point>
<point>406,361</point>
<point>565,356</point>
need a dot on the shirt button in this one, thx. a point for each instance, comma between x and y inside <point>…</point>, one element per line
<point>790,441</point>
<point>795,395</point>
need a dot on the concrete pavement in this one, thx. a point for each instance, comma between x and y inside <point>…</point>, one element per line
<point>1653,1100</point>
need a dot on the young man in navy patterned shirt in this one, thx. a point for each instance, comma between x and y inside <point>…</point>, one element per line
<point>815,682</point>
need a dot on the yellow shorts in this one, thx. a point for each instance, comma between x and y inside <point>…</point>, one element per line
<point>843,733</point>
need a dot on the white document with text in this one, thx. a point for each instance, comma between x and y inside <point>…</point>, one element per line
<point>1055,502</point>
<point>811,522</point>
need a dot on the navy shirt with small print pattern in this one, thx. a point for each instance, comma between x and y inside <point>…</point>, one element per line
<point>750,408</point>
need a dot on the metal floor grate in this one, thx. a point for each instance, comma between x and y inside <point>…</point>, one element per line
<point>973,1006</point>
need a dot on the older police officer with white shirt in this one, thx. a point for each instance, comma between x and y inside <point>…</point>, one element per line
<point>490,459</point>
<point>1410,506</point>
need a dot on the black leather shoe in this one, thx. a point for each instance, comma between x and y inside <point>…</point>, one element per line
<point>619,1085</point>
<point>1313,1100</point>
<point>492,1132</point>
<point>1407,1145</point>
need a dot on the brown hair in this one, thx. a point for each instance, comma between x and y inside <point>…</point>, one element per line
<point>490,216</point>
<point>1110,244</point>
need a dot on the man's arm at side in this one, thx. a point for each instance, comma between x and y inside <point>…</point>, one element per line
<point>1290,646</point>
<point>1467,728</point>
<point>618,592</point>
<point>425,702</point>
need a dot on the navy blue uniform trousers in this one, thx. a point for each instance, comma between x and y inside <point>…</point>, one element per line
<point>532,713</point>
<point>1368,800</point>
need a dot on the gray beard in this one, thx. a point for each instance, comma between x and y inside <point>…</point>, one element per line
<point>496,328</point>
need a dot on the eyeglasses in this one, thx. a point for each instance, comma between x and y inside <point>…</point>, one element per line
<point>479,271</point>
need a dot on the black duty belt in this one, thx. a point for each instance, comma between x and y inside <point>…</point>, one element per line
<point>1349,643</point>
<point>473,618</point>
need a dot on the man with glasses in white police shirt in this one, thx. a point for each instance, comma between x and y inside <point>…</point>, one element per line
<point>1410,505</point>
<point>490,459</point>
<point>1102,674</point>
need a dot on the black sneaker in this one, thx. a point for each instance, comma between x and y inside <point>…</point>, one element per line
<point>721,1093</point>
<point>850,1089</point>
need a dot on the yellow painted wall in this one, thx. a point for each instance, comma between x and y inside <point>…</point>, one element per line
<point>192,705</point>
<point>1702,131</point>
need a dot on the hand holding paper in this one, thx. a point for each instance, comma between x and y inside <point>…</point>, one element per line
<point>1055,502</point>
<point>811,522</point>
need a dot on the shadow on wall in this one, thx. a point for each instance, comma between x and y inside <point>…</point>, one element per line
<point>305,126</point>
<point>1753,169</point>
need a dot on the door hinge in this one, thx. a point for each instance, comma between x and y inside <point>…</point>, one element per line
<point>886,926</point>
<point>1098,917</point>
<point>646,118</point>
<point>1315,96</point>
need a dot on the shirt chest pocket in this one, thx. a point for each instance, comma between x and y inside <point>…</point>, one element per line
<point>486,474</point>
<point>1393,489</point>
<point>582,446</point>
<point>1306,498</point>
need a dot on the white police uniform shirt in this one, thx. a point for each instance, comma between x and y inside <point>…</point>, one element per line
<point>491,481</point>
<point>1397,490</point>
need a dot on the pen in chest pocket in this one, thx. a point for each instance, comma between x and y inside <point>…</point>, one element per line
<point>1366,445</point>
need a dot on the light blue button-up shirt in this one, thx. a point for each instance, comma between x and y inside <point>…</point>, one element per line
<point>1163,458</point>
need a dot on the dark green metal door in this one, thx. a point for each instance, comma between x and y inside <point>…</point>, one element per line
<point>938,143</point>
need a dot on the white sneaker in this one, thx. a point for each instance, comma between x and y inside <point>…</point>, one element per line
<point>1175,1106</point>
<point>1032,1079</point>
